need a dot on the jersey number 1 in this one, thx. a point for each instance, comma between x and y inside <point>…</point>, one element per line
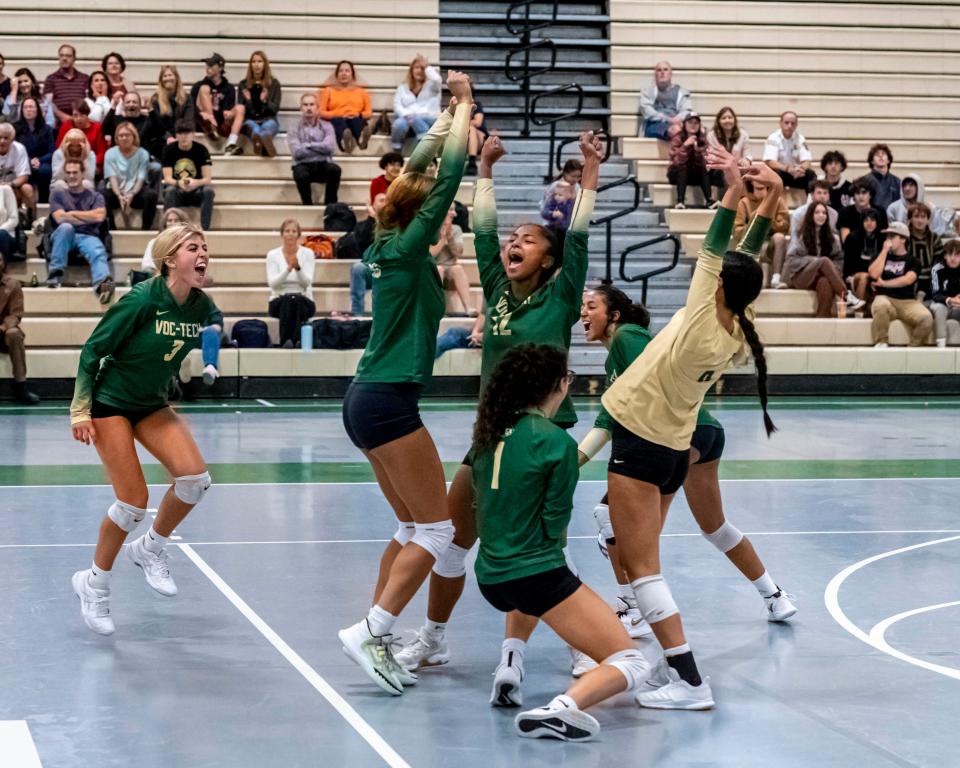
<point>177,346</point>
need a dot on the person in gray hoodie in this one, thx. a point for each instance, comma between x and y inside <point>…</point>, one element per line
<point>663,106</point>
<point>912,191</point>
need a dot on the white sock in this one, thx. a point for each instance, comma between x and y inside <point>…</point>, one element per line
<point>379,621</point>
<point>434,629</point>
<point>234,138</point>
<point>154,542</point>
<point>678,651</point>
<point>765,585</point>
<point>514,646</point>
<point>562,702</point>
<point>99,578</point>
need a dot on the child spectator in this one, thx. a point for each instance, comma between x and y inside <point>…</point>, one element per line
<point>125,170</point>
<point>290,278</point>
<point>774,250</point>
<point>925,246</point>
<point>63,87</point>
<point>114,65</point>
<point>129,110</point>
<point>11,334</point>
<point>188,175</point>
<point>833,164</point>
<point>945,291</point>
<point>312,144</point>
<point>168,106</point>
<point>819,193</point>
<point>98,98</point>
<point>554,210</point>
<point>346,104</point>
<point>785,151</point>
<point>894,273</point>
<point>37,139</point>
<point>446,253</point>
<point>260,97</point>
<point>391,163</point>
<point>416,102</point>
<point>860,249</point>
<point>215,104</point>
<point>688,163</point>
<point>726,133</point>
<point>663,106</point>
<point>81,121</point>
<point>73,147</point>
<point>886,186</point>
<point>26,86</point>
<point>850,218</point>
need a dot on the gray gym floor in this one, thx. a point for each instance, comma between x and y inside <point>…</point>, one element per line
<point>852,505</point>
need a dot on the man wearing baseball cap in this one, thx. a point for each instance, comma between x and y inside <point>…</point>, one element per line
<point>894,278</point>
<point>217,110</point>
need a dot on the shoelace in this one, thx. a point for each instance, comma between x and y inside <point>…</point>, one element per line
<point>160,563</point>
<point>101,606</point>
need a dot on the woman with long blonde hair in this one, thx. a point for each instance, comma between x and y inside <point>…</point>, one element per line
<point>259,93</point>
<point>168,105</point>
<point>416,102</point>
<point>120,399</point>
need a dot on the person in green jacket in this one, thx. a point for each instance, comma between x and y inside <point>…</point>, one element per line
<point>381,407</point>
<point>120,398</point>
<point>523,475</point>
<point>532,290</point>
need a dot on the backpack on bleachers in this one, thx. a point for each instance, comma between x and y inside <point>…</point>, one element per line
<point>341,334</point>
<point>321,245</point>
<point>250,334</point>
<point>339,217</point>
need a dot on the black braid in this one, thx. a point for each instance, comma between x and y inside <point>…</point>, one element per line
<point>756,347</point>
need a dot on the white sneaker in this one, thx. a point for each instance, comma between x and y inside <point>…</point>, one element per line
<point>780,606</point>
<point>580,663</point>
<point>155,568</point>
<point>678,694</point>
<point>94,604</point>
<point>556,722</point>
<point>941,343</point>
<point>210,375</point>
<point>775,282</point>
<point>680,207</point>
<point>633,620</point>
<point>659,676</point>
<point>506,686</point>
<point>881,345</point>
<point>373,656</point>
<point>407,677</point>
<point>424,651</point>
<point>854,302</point>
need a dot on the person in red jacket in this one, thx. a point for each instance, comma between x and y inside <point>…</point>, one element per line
<point>94,133</point>
<point>688,163</point>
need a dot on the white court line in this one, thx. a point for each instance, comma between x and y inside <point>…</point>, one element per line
<point>832,602</point>
<point>266,403</point>
<point>878,639</point>
<point>16,745</point>
<point>348,713</point>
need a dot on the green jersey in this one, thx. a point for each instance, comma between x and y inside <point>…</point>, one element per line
<point>407,290</point>
<point>524,497</point>
<point>138,346</point>
<point>548,314</point>
<point>628,344</point>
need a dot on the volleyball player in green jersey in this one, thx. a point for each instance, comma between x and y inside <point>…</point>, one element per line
<point>524,473</point>
<point>532,296</point>
<point>120,399</point>
<point>381,408</point>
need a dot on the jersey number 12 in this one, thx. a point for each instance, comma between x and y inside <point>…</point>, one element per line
<point>177,346</point>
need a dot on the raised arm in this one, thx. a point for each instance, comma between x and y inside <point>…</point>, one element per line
<point>486,239</point>
<point>573,273</point>
<point>432,142</point>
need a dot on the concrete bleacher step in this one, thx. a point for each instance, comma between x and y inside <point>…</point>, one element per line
<point>665,196</point>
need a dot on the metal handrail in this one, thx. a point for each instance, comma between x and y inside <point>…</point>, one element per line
<point>608,220</point>
<point>527,28</point>
<point>645,276</point>
<point>556,119</point>
<point>527,72</point>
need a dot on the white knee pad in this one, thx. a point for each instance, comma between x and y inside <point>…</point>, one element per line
<point>404,533</point>
<point>601,513</point>
<point>434,537</point>
<point>633,665</point>
<point>191,488</point>
<point>570,564</point>
<point>654,599</point>
<point>725,538</point>
<point>126,516</point>
<point>452,564</point>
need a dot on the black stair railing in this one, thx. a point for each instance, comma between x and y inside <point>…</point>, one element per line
<point>645,276</point>
<point>520,24</point>
<point>608,220</point>
<point>553,120</point>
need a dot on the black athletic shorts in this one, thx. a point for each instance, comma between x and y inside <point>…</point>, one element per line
<point>375,414</point>
<point>634,457</point>
<point>533,595</point>
<point>709,441</point>
<point>103,411</point>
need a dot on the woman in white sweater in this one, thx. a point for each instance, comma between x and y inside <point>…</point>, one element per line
<point>290,277</point>
<point>416,102</point>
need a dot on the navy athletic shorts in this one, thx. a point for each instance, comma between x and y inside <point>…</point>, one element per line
<point>375,414</point>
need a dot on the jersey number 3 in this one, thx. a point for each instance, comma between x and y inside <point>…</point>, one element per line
<point>177,346</point>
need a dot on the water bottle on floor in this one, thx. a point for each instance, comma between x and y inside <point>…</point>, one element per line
<point>306,337</point>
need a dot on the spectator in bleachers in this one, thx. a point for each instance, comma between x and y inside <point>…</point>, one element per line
<point>361,279</point>
<point>391,163</point>
<point>446,253</point>
<point>188,175</point>
<point>860,248</point>
<point>216,107</point>
<point>556,208</point>
<point>37,139</point>
<point>833,164</point>
<point>73,147</point>
<point>125,170</point>
<point>312,144</point>
<point>11,334</point>
<point>886,186</point>
<point>819,192</point>
<point>260,96</point>
<point>945,291</point>
<point>9,220</point>
<point>6,84</point>
<point>26,86</point>
<point>114,65</point>
<point>894,273</point>
<point>726,133</point>
<point>346,104</point>
<point>416,102</point>
<point>98,96</point>
<point>168,106</point>
<point>63,87</point>
<point>459,337</point>
<point>688,163</point>
<point>850,218</point>
<point>78,213</point>
<point>815,262</point>
<point>129,110</point>
<point>925,246</point>
<point>477,134</point>
<point>774,250</point>
<point>785,151</point>
<point>912,190</point>
<point>663,106</point>
<point>15,168</point>
<point>81,121</point>
<point>290,277</point>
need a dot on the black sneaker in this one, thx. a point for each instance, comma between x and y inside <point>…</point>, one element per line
<point>24,395</point>
<point>55,278</point>
<point>105,290</point>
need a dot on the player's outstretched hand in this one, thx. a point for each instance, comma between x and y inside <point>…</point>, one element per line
<point>591,147</point>
<point>459,85</point>
<point>84,432</point>
<point>492,150</point>
<point>765,174</point>
<point>718,159</point>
